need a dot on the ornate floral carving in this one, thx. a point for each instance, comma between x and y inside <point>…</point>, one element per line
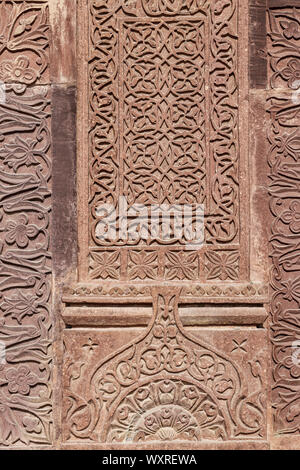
<point>25,261</point>
<point>248,292</point>
<point>105,265</point>
<point>25,282</point>
<point>284,34</point>
<point>285,174</point>
<point>171,7</point>
<point>182,265</point>
<point>283,135</point>
<point>143,264</point>
<point>164,112</point>
<point>157,133</point>
<point>223,265</point>
<point>166,385</point>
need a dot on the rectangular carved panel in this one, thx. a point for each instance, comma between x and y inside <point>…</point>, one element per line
<point>165,383</point>
<point>164,123</point>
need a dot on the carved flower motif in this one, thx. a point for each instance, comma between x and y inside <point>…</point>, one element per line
<point>182,265</point>
<point>18,71</point>
<point>224,387</point>
<point>150,360</point>
<point>292,217</point>
<point>143,265</point>
<point>151,422</point>
<point>210,409</point>
<point>185,40</point>
<point>190,392</point>
<point>19,306</point>
<point>20,380</point>
<point>289,145</point>
<point>105,265</point>
<point>108,388</point>
<point>166,386</point>
<point>291,73</point>
<point>142,77</point>
<point>20,232</point>
<point>20,152</point>
<point>290,29</point>
<point>222,265</point>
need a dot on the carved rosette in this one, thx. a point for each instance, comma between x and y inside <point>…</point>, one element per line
<point>25,205</point>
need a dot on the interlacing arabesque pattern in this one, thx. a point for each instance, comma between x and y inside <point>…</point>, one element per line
<point>157,136</point>
<point>25,264</point>
<point>164,386</point>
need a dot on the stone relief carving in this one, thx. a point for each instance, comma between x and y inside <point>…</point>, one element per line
<point>246,292</point>
<point>158,133</point>
<point>25,260</point>
<point>284,34</point>
<point>165,385</point>
<point>283,135</point>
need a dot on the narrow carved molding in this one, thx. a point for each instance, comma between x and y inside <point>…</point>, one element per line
<point>283,158</point>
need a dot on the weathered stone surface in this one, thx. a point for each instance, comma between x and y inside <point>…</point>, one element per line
<point>25,208</point>
<point>283,135</point>
<point>167,384</point>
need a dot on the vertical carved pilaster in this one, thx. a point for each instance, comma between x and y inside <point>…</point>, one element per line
<point>25,211</point>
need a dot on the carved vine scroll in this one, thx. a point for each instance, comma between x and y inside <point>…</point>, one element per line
<point>25,260</point>
<point>164,129</point>
<point>284,138</point>
<point>166,385</point>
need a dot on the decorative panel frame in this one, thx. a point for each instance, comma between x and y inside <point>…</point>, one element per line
<point>104,128</point>
<point>186,315</point>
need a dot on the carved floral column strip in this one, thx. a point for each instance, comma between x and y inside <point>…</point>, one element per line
<point>283,158</point>
<point>25,208</point>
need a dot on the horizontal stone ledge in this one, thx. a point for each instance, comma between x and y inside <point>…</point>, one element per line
<point>140,315</point>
